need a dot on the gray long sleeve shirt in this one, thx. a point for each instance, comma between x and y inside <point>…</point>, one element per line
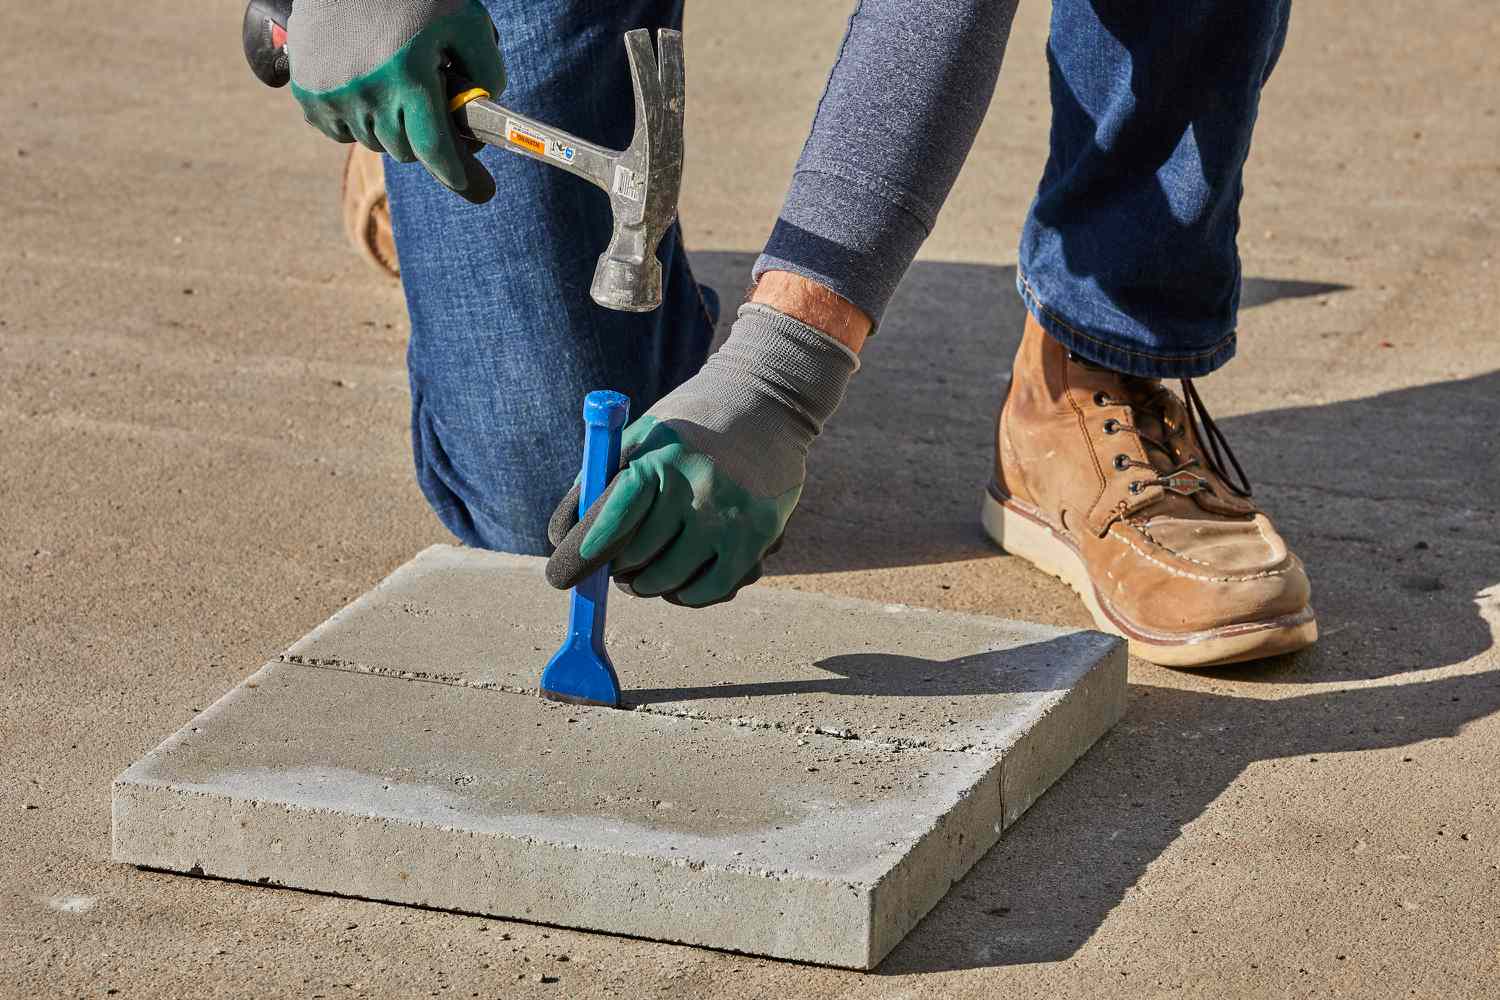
<point>903,103</point>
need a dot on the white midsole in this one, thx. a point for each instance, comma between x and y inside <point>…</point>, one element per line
<point>1043,548</point>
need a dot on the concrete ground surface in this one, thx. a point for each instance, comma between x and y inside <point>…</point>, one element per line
<point>202,427</point>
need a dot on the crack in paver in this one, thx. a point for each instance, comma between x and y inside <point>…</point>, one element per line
<point>840,733</point>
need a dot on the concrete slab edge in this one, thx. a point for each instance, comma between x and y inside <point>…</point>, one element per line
<point>190,830</point>
<point>1078,719</point>
<point>920,880</point>
<point>1028,767</point>
<point>200,833</point>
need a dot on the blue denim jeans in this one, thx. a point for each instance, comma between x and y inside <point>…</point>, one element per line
<point>505,341</point>
<point>1128,256</point>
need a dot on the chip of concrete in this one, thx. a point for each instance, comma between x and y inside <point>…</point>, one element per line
<point>801,776</point>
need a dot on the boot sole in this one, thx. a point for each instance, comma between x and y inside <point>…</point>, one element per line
<point>1022,534</point>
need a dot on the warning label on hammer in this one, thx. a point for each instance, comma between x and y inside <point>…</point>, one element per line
<point>627,183</point>
<point>528,139</point>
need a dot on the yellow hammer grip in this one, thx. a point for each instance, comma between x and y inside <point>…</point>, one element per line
<point>463,97</point>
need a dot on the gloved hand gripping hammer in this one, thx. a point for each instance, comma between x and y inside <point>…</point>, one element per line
<point>642,180</point>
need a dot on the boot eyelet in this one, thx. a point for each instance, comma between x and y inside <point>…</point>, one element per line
<point>1101,398</point>
<point>1122,462</point>
<point>1135,487</point>
<point>1111,425</point>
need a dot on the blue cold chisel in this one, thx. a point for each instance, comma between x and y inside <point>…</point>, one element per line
<point>580,672</point>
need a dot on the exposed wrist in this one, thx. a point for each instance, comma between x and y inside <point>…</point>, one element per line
<point>804,370</point>
<point>816,305</point>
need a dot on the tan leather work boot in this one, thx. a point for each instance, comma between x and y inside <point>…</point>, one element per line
<point>1102,480</point>
<point>367,213</point>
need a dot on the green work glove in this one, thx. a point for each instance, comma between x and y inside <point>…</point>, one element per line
<point>372,71</point>
<point>709,475</point>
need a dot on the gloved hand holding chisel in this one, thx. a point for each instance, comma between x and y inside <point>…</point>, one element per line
<point>711,473</point>
<point>376,72</point>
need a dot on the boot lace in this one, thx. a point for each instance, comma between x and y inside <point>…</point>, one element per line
<point>1177,477</point>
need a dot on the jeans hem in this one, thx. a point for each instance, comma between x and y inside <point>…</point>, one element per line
<point>1128,360</point>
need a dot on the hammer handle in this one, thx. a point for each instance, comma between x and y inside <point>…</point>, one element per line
<point>263,33</point>
<point>496,125</point>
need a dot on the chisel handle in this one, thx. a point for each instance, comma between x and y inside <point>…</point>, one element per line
<point>580,671</point>
<point>604,415</point>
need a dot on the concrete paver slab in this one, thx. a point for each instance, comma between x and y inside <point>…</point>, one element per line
<point>789,660</point>
<point>396,753</point>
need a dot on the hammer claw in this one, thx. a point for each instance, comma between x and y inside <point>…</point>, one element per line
<point>669,56</point>
<point>643,72</point>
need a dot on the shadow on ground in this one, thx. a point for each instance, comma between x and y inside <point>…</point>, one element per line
<point>1391,500</point>
<point>892,675</point>
<point>1072,859</point>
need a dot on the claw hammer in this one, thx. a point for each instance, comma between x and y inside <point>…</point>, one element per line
<point>642,181</point>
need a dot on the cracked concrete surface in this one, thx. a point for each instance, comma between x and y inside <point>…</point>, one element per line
<point>191,481</point>
<point>886,673</point>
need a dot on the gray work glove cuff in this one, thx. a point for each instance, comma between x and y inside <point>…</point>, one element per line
<point>804,369</point>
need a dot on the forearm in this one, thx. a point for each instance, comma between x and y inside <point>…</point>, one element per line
<point>897,119</point>
<point>815,304</point>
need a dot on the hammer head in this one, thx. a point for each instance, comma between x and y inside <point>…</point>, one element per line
<point>647,176</point>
